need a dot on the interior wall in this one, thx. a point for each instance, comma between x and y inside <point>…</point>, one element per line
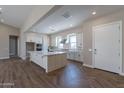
<point>37,13</point>
<point>87,33</point>
<point>64,34</point>
<point>5,31</point>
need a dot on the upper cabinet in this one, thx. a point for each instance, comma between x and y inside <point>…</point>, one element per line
<point>30,37</point>
<point>34,37</point>
<point>38,39</point>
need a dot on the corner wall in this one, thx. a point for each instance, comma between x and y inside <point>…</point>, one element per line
<point>36,14</point>
<point>87,34</point>
<point>87,31</point>
<point>64,34</point>
<point>5,31</point>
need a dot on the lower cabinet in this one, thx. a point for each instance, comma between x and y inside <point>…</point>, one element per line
<point>49,62</point>
<point>70,55</point>
<point>75,55</point>
<point>37,59</point>
<point>56,61</point>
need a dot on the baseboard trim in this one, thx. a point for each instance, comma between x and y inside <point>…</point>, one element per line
<point>4,57</point>
<point>86,65</point>
<point>122,74</point>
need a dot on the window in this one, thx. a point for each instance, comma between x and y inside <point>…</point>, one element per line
<point>72,41</point>
<point>58,42</point>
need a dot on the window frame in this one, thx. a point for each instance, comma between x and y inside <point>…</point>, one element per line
<point>58,42</point>
<point>68,37</point>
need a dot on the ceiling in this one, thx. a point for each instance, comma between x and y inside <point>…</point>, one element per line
<point>71,16</point>
<point>15,15</point>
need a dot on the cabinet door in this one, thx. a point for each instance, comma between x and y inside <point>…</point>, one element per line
<point>71,55</point>
<point>30,37</point>
<point>60,60</point>
<point>31,56</point>
<point>38,59</point>
<point>51,62</point>
<point>68,55</point>
<point>44,62</point>
<point>76,56</point>
<point>63,60</point>
<point>38,39</point>
<point>81,56</point>
<point>79,40</point>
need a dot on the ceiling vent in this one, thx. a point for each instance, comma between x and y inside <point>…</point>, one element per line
<point>66,15</point>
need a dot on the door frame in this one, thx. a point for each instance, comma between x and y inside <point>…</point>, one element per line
<point>17,47</point>
<point>93,43</point>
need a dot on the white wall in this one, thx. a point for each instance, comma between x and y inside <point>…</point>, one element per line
<point>87,30</point>
<point>5,31</point>
<point>37,13</point>
<point>64,34</point>
<point>87,33</point>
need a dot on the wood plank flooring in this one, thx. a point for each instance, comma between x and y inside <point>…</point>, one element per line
<point>17,73</point>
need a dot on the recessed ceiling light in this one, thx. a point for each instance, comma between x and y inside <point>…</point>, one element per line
<point>93,13</point>
<point>51,27</point>
<point>71,25</point>
<point>2,20</point>
<point>0,8</point>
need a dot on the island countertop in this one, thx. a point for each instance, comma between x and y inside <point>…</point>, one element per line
<point>49,60</point>
<point>53,53</point>
<point>47,53</point>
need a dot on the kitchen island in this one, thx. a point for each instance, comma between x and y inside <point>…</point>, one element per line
<point>50,61</point>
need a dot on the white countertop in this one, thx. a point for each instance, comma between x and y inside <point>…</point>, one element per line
<point>53,53</point>
<point>47,53</point>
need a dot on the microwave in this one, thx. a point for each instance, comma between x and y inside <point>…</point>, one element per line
<point>38,47</point>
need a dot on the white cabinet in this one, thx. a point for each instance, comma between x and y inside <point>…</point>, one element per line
<point>49,62</point>
<point>71,55</point>
<point>78,56</point>
<point>75,55</point>
<point>38,39</point>
<point>34,37</point>
<point>37,58</point>
<point>30,37</point>
<point>79,40</point>
<point>55,62</point>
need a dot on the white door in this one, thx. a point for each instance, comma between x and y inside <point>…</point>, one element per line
<point>107,47</point>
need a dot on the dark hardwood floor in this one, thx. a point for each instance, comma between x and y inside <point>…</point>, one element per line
<point>24,74</point>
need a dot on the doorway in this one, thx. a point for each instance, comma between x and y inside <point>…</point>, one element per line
<point>107,47</point>
<point>13,46</point>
